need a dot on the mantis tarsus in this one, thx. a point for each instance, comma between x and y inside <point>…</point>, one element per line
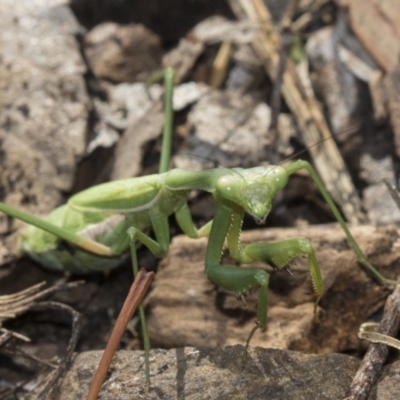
<point>105,221</point>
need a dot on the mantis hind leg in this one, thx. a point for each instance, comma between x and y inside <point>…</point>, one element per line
<point>158,247</point>
<point>132,233</point>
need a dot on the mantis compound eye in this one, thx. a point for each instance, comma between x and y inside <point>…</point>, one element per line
<point>277,178</point>
<point>228,187</point>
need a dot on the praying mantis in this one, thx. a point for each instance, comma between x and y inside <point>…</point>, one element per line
<point>102,223</point>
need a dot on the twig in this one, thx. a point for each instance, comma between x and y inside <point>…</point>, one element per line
<point>66,360</point>
<point>11,306</point>
<point>371,366</point>
<point>393,193</point>
<point>286,41</point>
<point>304,106</point>
<point>369,331</point>
<point>135,296</point>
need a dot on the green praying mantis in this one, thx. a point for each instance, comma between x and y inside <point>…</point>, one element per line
<point>105,221</point>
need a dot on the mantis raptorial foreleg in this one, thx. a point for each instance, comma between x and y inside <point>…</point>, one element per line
<point>227,223</point>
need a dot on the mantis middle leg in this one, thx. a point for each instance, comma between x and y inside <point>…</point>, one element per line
<point>159,248</point>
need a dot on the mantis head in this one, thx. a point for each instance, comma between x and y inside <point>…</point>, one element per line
<point>253,189</point>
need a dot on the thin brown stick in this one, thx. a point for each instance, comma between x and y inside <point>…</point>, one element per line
<point>371,366</point>
<point>135,296</point>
